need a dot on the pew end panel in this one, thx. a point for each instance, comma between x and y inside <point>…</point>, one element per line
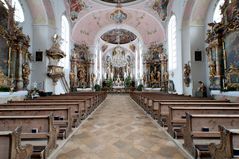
<point>11,147</point>
<point>228,146</point>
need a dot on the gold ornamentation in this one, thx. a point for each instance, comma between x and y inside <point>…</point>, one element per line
<point>186,73</point>
<point>232,78</point>
<point>212,69</point>
<point>55,52</point>
<point>221,73</point>
<point>4,80</point>
<point>55,72</point>
<point>25,73</point>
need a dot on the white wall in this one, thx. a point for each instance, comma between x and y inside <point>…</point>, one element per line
<point>177,9</point>
<point>59,10</point>
<point>198,68</point>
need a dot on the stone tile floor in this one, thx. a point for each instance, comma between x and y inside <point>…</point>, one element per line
<point>119,130</point>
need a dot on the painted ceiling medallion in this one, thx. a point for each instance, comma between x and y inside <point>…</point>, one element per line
<point>116,1</point>
<point>118,36</point>
<point>160,6</point>
<point>76,6</point>
<point>118,16</point>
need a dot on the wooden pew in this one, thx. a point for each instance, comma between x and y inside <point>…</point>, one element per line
<point>11,147</point>
<point>88,101</point>
<point>76,109</point>
<point>163,109</point>
<point>177,116</point>
<point>62,117</point>
<point>154,107</point>
<point>99,96</point>
<point>196,141</point>
<point>229,144</point>
<point>44,142</point>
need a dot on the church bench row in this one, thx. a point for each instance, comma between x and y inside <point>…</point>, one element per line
<point>91,101</point>
<point>228,146</point>
<point>177,116</point>
<point>59,103</point>
<point>62,117</point>
<point>148,99</point>
<point>214,107</point>
<point>44,142</point>
<point>76,110</point>
<point>159,108</point>
<point>11,146</point>
<point>197,141</point>
<point>162,112</point>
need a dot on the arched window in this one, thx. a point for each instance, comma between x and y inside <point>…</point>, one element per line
<point>172,43</point>
<point>65,32</point>
<point>217,16</point>
<point>19,15</point>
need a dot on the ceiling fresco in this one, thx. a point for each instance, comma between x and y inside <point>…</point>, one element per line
<point>116,1</point>
<point>118,36</point>
<point>88,27</point>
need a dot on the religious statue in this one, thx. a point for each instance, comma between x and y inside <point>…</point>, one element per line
<point>155,69</point>
<point>93,78</point>
<point>158,76</point>
<point>81,74</point>
<point>25,74</point>
<point>108,70</point>
<point>144,78</point>
<point>165,76</point>
<point>212,70</point>
<point>186,72</point>
<point>72,78</point>
<point>202,90</point>
<point>152,76</point>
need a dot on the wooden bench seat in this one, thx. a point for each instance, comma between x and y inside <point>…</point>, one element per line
<point>88,106</point>
<point>11,147</point>
<point>163,109</point>
<point>177,116</point>
<point>47,133</point>
<point>228,146</point>
<point>62,116</point>
<point>88,99</point>
<point>154,107</point>
<point>76,109</point>
<point>193,134</point>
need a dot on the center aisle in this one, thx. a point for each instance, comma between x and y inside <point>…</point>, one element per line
<point>119,130</point>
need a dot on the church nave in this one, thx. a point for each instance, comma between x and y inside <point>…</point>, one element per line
<point>119,129</point>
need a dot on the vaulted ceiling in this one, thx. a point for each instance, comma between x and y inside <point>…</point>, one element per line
<point>93,19</point>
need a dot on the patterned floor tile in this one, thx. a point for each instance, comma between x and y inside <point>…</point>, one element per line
<point>119,130</point>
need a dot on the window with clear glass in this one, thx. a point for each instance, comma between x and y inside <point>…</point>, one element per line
<point>217,16</point>
<point>172,43</point>
<point>19,15</point>
<point>65,33</point>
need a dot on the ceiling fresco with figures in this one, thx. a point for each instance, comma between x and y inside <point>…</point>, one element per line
<point>91,18</point>
<point>149,28</point>
<point>118,36</point>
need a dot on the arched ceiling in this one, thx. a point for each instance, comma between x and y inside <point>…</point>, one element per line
<point>195,12</point>
<point>141,16</point>
<point>88,26</point>
<point>42,12</point>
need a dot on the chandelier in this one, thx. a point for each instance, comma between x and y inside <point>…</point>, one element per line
<point>118,54</point>
<point>118,58</point>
